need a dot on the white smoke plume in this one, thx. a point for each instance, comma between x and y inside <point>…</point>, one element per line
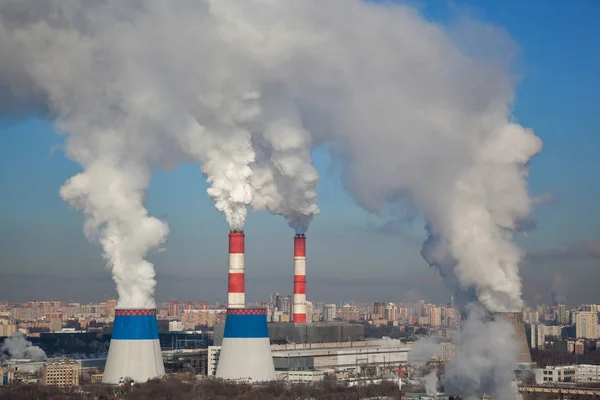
<point>18,347</point>
<point>485,358</point>
<point>284,178</point>
<point>423,351</point>
<point>430,382</point>
<point>246,87</point>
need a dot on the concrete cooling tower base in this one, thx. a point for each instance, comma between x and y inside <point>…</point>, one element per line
<point>246,350</point>
<point>134,347</point>
<point>516,320</point>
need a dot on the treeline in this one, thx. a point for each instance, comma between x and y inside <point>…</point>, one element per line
<point>205,389</point>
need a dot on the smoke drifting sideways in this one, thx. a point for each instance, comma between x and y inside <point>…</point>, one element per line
<point>18,347</point>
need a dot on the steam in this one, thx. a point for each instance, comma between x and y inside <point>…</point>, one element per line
<point>18,347</point>
<point>284,178</point>
<point>422,351</point>
<point>485,358</point>
<point>430,382</point>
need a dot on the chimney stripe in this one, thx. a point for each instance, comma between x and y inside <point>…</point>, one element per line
<point>236,297</point>
<point>299,306</point>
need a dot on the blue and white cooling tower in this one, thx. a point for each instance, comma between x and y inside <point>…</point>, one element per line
<point>246,350</point>
<point>134,347</point>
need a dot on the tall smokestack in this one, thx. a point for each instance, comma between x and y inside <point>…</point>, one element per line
<point>134,347</point>
<point>299,309</point>
<point>235,295</point>
<point>516,320</point>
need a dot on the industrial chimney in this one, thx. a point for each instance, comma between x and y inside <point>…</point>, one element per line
<point>246,350</point>
<point>235,294</point>
<point>299,308</point>
<point>516,320</point>
<point>134,350</point>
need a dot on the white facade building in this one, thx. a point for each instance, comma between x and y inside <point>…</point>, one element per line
<point>580,374</point>
<point>175,326</point>
<point>329,312</point>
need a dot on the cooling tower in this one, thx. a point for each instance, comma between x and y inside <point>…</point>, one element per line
<point>235,293</point>
<point>134,348</point>
<point>246,349</point>
<point>299,310</point>
<point>516,320</point>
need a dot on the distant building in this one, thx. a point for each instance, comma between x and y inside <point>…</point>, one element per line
<point>435,316</point>
<point>379,310</point>
<point>173,308</point>
<point>562,315</point>
<point>7,328</point>
<point>175,326</point>
<point>445,351</point>
<point>391,312</point>
<point>62,373</point>
<point>586,325</point>
<point>329,312</point>
<point>581,374</point>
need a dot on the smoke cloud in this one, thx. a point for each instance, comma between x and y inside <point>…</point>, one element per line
<point>18,347</point>
<point>422,351</point>
<point>485,358</point>
<point>284,178</point>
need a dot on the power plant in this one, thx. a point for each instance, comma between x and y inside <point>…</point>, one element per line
<point>516,320</point>
<point>246,350</point>
<point>134,350</point>
<point>299,307</point>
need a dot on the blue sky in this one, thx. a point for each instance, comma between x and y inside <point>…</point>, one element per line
<point>43,253</point>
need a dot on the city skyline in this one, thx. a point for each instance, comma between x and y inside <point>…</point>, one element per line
<point>351,253</point>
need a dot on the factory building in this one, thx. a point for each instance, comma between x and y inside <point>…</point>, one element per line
<point>582,374</point>
<point>309,362</point>
<point>313,332</point>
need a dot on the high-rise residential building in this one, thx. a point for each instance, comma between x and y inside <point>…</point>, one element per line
<point>62,373</point>
<point>286,304</point>
<point>329,312</point>
<point>586,325</point>
<point>445,351</point>
<point>435,316</point>
<point>110,308</point>
<point>188,305</point>
<point>391,312</point>
<point>7,328</point>
<point>562,315</point>
<point>379,310</point>
<point>203,305</point>
<point>173,308</point>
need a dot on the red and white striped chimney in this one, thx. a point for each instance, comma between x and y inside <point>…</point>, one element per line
<point>299,310</point>
<point>235,293</point>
